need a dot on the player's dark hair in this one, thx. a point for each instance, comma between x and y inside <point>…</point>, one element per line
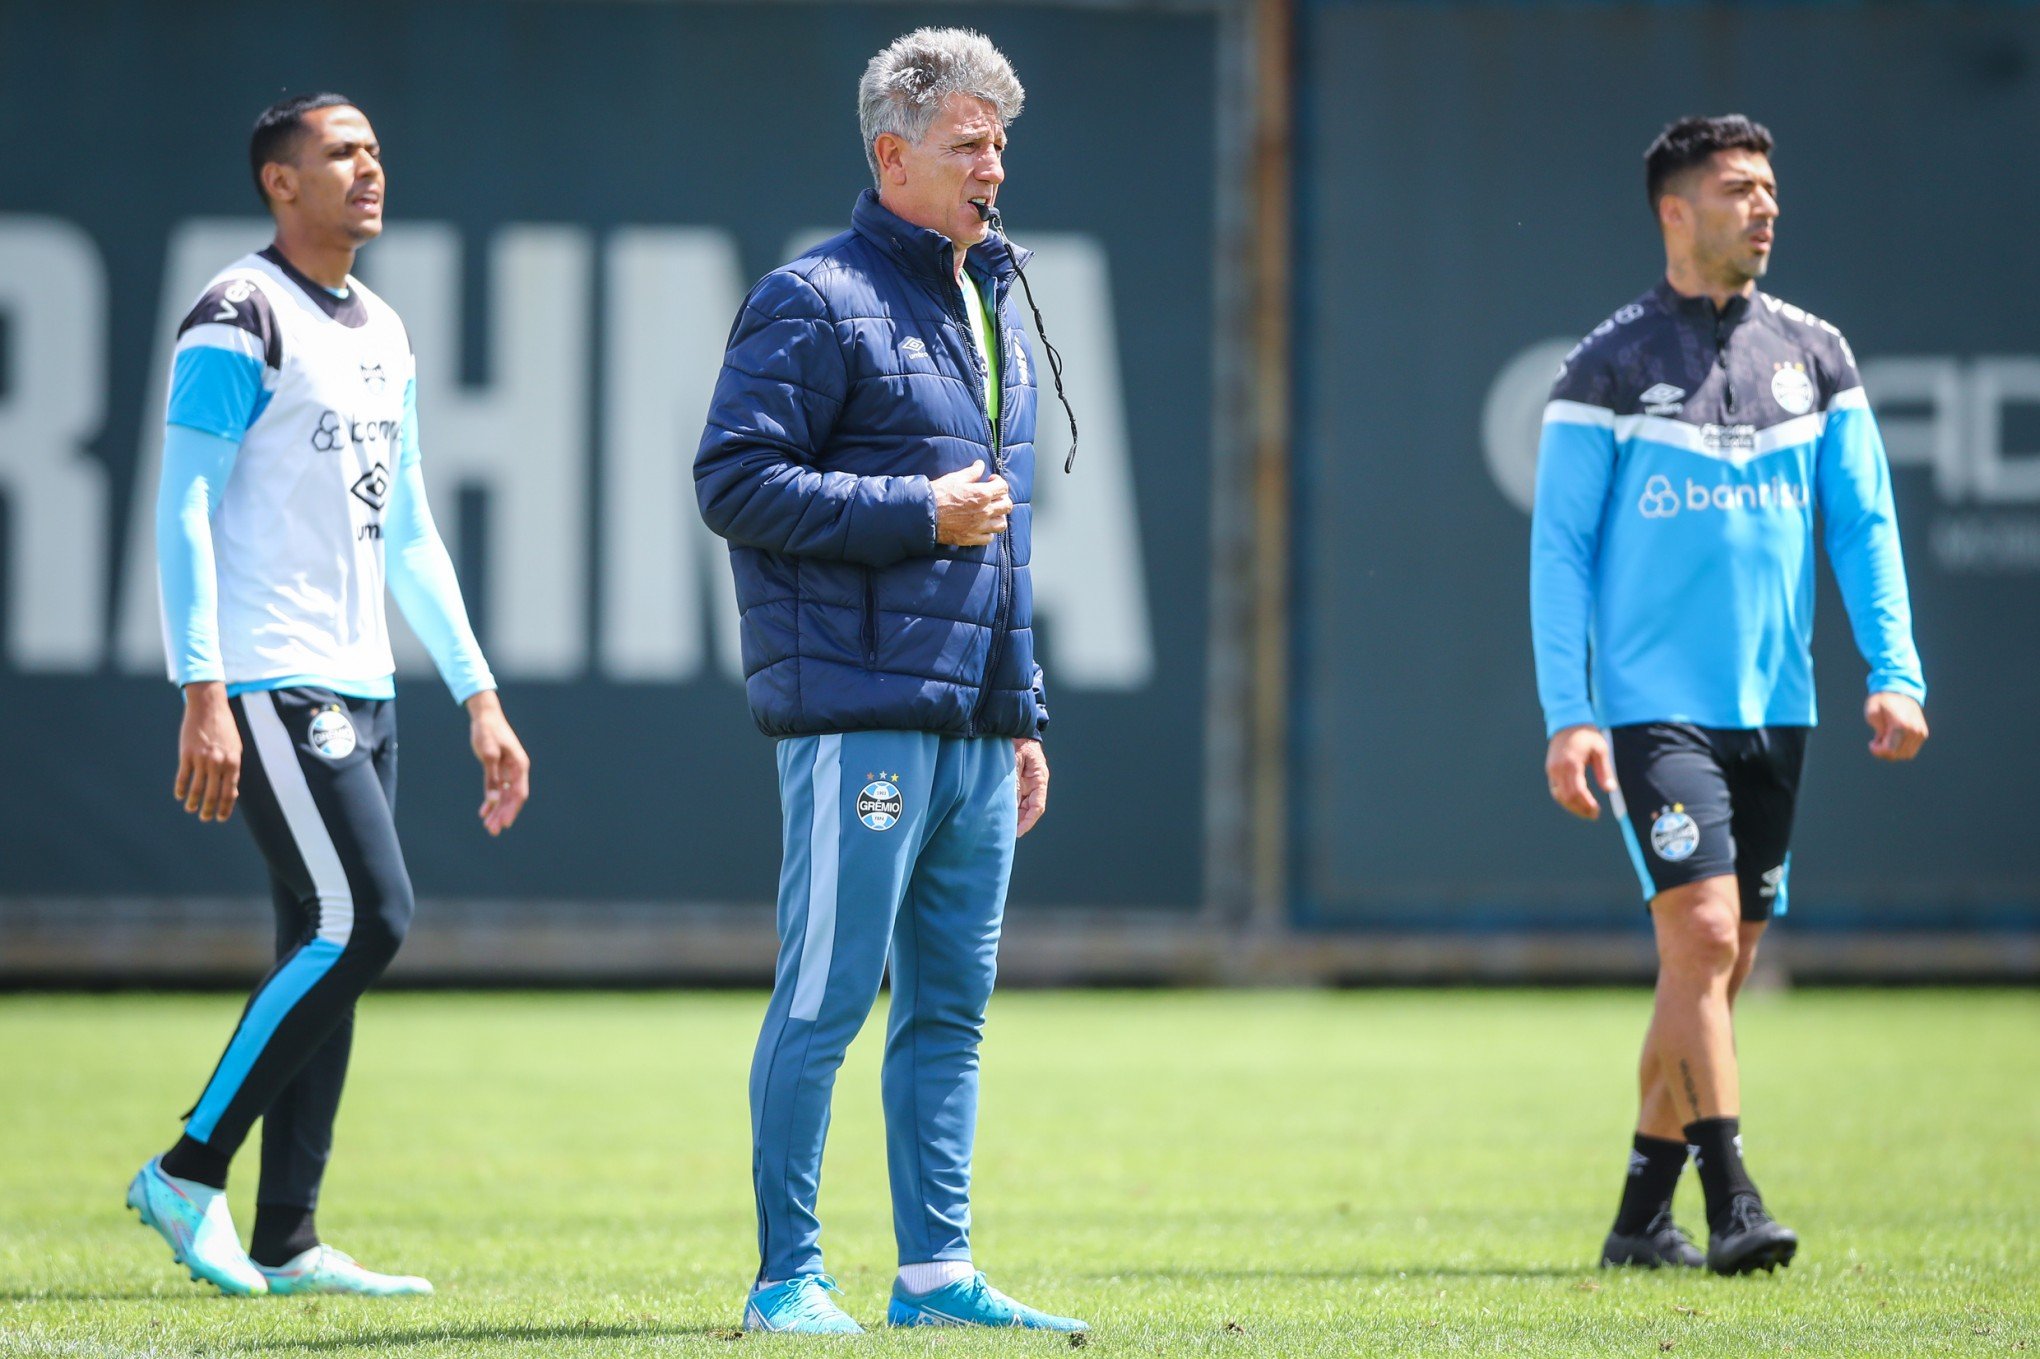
<point>1690,141</point>
<point>281,125</point>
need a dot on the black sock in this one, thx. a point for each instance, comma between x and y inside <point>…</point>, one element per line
<point>1654,1166</point>
<point>283,1232</point>
<point>1717,1155</point>
<point>196,1161</point>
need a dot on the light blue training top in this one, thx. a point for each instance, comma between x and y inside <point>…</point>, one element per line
<point>1685,454</point>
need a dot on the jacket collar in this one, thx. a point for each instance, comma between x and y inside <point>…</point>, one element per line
<point>930,252</point>
<point>1700,310</point>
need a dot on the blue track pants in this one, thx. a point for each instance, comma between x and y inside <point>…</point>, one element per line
<point>897,849</point>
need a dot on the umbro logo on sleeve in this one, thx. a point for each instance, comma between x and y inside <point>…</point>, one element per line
<point>1663,399</point>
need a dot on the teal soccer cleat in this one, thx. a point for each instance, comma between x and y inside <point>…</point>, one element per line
<point>800,1306</point>
<point>193,1218</point>
<point>970,1302</point>
<point>325,1270</point>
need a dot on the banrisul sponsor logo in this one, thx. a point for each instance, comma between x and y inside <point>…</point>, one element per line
<point>334,431</point>
<point>1661,499</point>
<point>879,803</point>
<point>1773,493</point>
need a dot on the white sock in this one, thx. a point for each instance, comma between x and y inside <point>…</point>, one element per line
<point>935,1274</point>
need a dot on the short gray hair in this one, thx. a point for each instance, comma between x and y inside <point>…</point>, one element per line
<point>906,84</point>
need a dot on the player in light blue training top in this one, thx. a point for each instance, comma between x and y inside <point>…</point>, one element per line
<point>291,495</point>
<point>1692,443</point>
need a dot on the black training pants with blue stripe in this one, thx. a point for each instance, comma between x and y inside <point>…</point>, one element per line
<point>318,788</point>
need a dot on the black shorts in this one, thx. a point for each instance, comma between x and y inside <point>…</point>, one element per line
<point>1698,802</point>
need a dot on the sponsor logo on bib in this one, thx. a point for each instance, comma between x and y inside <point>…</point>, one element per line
<point>372,487</point>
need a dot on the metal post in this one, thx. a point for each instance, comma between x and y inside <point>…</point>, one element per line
<point>1229,693</point>
<point>1246,723</point>
<point>1270,198</point>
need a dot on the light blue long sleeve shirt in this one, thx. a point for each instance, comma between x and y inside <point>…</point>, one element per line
<point>1672,565</point>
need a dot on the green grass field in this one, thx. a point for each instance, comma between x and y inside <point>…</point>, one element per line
<point>1195,1173</point>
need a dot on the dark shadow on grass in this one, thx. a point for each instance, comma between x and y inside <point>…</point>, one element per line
<point>433,1335</point>
<point>1367,1272</point>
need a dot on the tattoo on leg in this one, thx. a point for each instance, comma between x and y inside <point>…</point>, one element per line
<point>1692,1091</point>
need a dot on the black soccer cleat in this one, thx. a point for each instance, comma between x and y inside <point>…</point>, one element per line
<point>1663,1244</point>
<point>1749,1240</point>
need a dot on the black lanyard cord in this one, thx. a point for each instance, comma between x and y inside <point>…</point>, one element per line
<point>1055,367</point>
<point>1055,361</point>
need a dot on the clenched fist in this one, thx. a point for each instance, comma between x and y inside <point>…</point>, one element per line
<point>969,512</point>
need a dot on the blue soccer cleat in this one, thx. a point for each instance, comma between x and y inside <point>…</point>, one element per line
<point>970,1302</point>
<point>193,1218</point>
<point>800,1306</point>
<point>325,1270</point>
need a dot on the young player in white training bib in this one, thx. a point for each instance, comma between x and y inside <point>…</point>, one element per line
<point>292,494</point>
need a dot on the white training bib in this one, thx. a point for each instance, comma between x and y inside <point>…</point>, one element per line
<point>297,535</point>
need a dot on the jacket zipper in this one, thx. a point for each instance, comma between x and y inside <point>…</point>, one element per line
<point>870,620</point>
<point>1003,615</point>
<point>1721,360</point>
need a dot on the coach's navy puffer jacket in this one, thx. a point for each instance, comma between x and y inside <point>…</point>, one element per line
<point>850,381</point>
